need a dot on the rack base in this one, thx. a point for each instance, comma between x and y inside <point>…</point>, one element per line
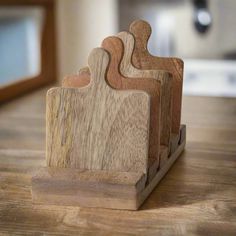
<point>99,188</point>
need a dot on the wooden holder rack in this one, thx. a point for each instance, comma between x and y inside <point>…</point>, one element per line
<point>113,130</point>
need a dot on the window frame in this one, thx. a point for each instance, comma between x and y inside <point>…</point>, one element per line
<point>48,71</point>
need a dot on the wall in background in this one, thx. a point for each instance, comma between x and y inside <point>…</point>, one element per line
<point>81,26</point>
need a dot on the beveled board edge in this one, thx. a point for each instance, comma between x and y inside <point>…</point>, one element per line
<point>89,188</point>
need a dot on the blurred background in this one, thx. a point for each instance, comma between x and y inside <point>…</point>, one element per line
<point>41,41</point>
<point>46,40</point>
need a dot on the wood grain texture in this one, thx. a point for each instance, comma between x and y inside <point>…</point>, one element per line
<point>89,188</point>
<point>196,197</point>
<point>164,155</point>
<point>142,59</point>
<point>97,127</point>
<point>97,188</point>
<point>116,80</point>
<point>127,69</point>
<point>174,141</point>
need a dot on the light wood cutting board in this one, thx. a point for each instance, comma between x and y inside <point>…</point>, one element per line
<point>97,127</point>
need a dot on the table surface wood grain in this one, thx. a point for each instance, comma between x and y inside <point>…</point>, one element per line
<point>196,197</point>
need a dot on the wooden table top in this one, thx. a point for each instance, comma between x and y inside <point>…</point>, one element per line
<point>196,197</point>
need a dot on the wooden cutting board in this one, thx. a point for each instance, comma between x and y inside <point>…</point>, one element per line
<point>97,127</point>
<point>127,69</point>
<point>142,59</point>
<point>115,48</point>
<point>115,79</point>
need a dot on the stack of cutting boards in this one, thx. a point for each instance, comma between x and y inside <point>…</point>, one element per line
<point>113,130</point>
